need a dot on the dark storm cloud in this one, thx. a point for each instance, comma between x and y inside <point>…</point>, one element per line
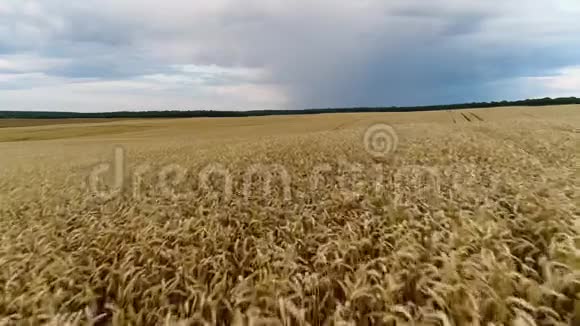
<point>317,53</point>
<point>432,72</point>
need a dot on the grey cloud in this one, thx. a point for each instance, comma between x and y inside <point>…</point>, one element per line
<point>319,53</point>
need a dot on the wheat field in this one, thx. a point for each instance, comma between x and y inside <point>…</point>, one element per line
<point>464,217</point>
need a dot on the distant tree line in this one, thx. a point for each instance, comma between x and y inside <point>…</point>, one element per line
<point>211,113</point>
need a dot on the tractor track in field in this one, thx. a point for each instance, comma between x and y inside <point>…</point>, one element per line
<point>466,117</point>
<point>476,116</point>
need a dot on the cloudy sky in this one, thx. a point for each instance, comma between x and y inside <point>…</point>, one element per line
<point>106,55</point>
